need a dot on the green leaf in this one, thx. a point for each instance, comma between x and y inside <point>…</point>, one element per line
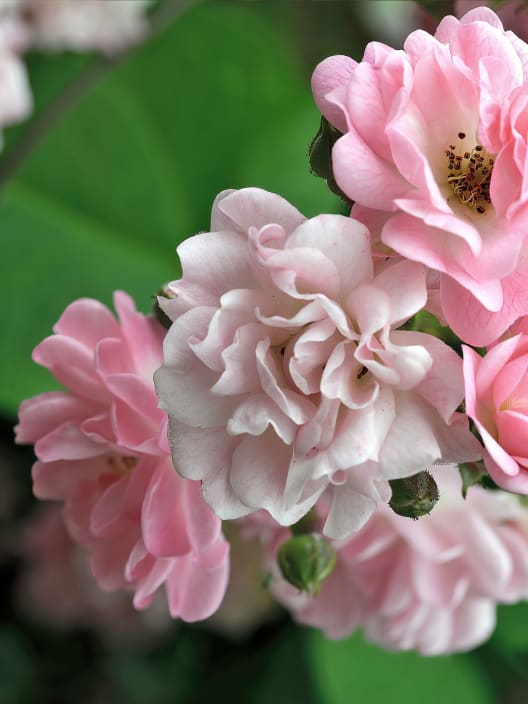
<point>277,158</point>
<point>214,102</point>
<point>437,8</point>
<point>50,74</point>
<point>511,634</point>
<point>17,672</point>
<point>284,673</point>
<point>354,671</point>
<point>138,680</point>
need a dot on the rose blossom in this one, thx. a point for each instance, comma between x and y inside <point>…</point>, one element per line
<point>284,375</point>
<point>56,587</point>
<point>86,25</point>
<point>434,155</point>
<point>16,101</point>
<point>513,13</point>
<point>102,449</point>
<point>496,400</point>
<point>429,585</point>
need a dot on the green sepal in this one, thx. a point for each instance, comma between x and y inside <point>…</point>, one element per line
<point>307,524</point>
<point>320,154</point>
<point>472,473</point>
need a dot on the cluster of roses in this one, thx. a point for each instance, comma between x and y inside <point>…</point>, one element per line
<point>298,380</point>
<point>54,25</point>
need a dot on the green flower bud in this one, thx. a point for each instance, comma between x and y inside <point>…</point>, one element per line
<point>305,561</point>
<point>414,496</point>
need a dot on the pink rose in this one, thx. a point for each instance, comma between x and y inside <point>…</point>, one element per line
<point>284,375</point>
<point>56,587</point>
<point>429,585</point>
<point>513,14</point>
<point>441,158</point>
<point>496,400</point>
<point>102,449</point>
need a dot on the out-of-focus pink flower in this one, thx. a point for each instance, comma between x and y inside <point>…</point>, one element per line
<point>102,449</point>
<point>429,585</point>
<point>16,100</point>
<point>442,155</point>
<point>55,584</point>
<point>513,14</point>
<point>86,25</point>
<point>15,35</point>
<point>284,376</point>
<point>497,401</point>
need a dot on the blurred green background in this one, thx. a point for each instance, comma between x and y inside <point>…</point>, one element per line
<point>120,162</point>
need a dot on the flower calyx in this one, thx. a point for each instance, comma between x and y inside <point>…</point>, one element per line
<point>414,496</point>
<point>320,154</point>
<point>306,560</point>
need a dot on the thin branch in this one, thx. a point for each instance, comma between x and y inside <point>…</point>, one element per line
<point>164,15</point>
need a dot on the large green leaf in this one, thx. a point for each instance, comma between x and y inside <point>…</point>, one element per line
<point>511,634</point>
<point>16,667</point>
<point>214,102</point>
<point>351,671</point>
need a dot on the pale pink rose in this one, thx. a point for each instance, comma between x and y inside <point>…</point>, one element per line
<point>429,585</point>
<point>284,376</point>
<point>55,585</point>
<point>102,449</point>
<point>86,25</point>
<point>496,400</point>
<point>15,34</point>
<point>435,139</point>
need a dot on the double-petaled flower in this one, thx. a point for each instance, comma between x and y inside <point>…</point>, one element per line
<point>284,375</point>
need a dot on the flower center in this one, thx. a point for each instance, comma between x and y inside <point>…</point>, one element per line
<point>361,373</point>
<point>469,175</point>
<point>121,464</point>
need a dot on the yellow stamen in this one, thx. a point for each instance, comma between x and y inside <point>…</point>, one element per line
<point>469,175</point>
